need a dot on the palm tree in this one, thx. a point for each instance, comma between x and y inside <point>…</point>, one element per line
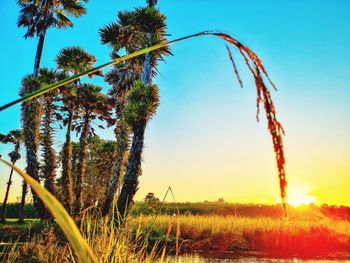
<point>46,77</point>
<point>92,104</point>
<point>71,60</point>
<point>133,31</point>
<point>148,97</point>
<point>30,115</point>
<point>121,79</point>
<point>15,137</point>
<point>37,16</point>
<point>40,15</point>
<point>142,103</point>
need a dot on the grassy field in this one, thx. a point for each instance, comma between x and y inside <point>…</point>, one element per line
<point>262,234</point>
<point>307,233</point>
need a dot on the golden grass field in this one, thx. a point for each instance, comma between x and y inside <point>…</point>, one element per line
<point>144,237</point>
<point>231,233</point>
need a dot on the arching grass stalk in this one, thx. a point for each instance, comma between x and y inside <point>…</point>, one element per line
<point>252,61</point>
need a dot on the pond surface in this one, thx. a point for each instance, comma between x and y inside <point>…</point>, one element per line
<point>238,258</point>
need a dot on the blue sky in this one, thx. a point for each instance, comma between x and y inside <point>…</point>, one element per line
<point>204,140</point>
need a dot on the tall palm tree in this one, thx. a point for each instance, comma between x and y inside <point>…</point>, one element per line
<point>133,30</point>
<point>121,79</point>
<point>92,105</point>
<point>142,103</point>
<point>15,137</point>
<point>71,60</point>
<point>37,16</point>
<point>30,115</point>
<point>40,15</point>
<point>48,171</point>
<point>148,102</point>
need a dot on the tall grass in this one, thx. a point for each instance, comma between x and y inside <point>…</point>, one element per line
<point>230,233</point>
<point>62,217</point>
<point>111,244</point>
<point>150,239</point>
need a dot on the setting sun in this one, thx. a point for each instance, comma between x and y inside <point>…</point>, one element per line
<point>297,200</point>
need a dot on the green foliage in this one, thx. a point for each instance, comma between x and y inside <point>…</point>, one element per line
<point>15,137</point>
<point>152,201</point>
<point>39,15</point>
<point>142,103</point>
<point>13,211</point>
<point>135,30</point>
<point>99,169</point>
<point>74,60</point>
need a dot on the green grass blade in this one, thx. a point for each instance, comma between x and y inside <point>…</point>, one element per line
<point>62,217</point>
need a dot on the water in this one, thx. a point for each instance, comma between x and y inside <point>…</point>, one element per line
<point>234,258</point>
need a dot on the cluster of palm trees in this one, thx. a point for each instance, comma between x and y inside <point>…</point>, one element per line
<point>129,104</point>
<point>131,101</point>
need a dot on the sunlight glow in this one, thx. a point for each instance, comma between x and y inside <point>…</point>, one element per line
<point>297,200</point>
<point>298,195</point>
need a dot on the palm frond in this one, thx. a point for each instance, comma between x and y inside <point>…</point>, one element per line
<point>109,34</point>
<point>73,7</point>
<point>74,59</point>
<point>63,21</point>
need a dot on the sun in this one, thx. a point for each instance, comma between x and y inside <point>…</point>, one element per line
<point>300,199</point>
<point>299,195</point>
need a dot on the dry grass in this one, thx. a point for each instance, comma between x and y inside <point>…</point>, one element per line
<point>256,234</point>
<point>143,238</point>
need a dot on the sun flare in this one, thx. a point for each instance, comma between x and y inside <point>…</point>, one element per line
<point>298,200</point>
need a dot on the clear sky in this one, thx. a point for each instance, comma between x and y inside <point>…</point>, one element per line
<point>204,141</point>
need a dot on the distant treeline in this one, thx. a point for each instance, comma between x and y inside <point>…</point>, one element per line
<point>243,210</point>
<point>13,211</point>
<point>218,208</point>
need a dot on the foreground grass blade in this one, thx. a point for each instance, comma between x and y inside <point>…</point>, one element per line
<point>62,217</point>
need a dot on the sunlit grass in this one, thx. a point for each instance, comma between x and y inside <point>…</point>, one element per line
<point>256,234</point>
<point>143,238</point>
<point>61,216</point>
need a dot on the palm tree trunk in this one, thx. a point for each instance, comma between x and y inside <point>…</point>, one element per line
<point>49,153</point>
<point>23,202</point>
<point>31,112</point>
<point>33,171</point>
<point>39,52</point>
<point>133,170</point>
<point>122,136</point>
<point>67,178</point>
<point>146,71</point>
<point>81,167</point>
<point>3,212</point>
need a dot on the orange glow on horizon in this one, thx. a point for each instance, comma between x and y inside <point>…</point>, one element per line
<point>299,195</point>
<point>298,200</point>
